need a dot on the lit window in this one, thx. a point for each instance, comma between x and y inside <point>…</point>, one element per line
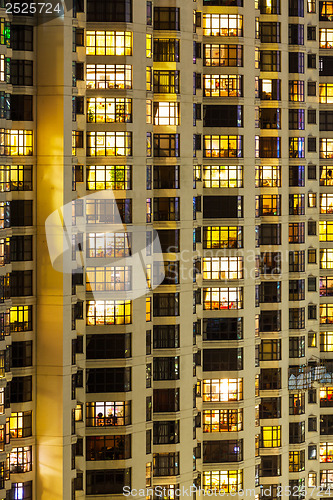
<point>268,176</point>
<point>228,481</point>
<point>326,476</point>
<point>326,93</point>
<point>326,314</point>
<point>4,69</point>
<point>223,55</point>
<point>149,78</point>
<point>21,424</point>
<point>149,47</point>
<point>222,176</point>
<point>102,245</point>
<point>326,258</point>
<point>223,389</point>
<point>325,230</point>
<point>222,420</point>
<point>104,414</point>
<point>109,312</point>
<point>222,268</point>
<point>326,38</point>
<point>20,318</point>
<point>109,143</point>
<point>109,43</point>
<point>271,436</point>
<point>296,90</point>
<point>326,341</point>
<point>223,85</point>
<point>100,177</point>
<point>109,278</point>
<point>223,146</point>
<point>149,111</point>
<point>326,452</point>
<point>326,203</point>
<point>20,460</point>
<point>166,113</point>
<point>326,11</point>
<point>222,298</point>
<point>223,237</point>
<point>109,110</point>
<point>18,142</point>
<point>326,148</point>
<point>222,25</point>
<point>326,175</point>
<point>148,309</point>
<point>109,76</point>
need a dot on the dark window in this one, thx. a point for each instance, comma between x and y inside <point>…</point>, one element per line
<point>311,32</point>
<point>223,116</point>
<point>166,368</point>
<point>21,212</point>
<point>166,209</point>
<point>270,465</point>
<point>326,424</point>
<point>223,329</point>
<point>223,3</point>
<point>166,336</point>
<point>222,207</point>
<point>223,359</point>
<point>107,482</point>
<point>269,6</point>
<point>166,400</point>
<point>166,177</point>
<point>312,144</point>
<point>5,105</point>
<point>166,145</point>
<point>21,72</point>
<point>270,321</point>
<point>297,261</point>
<point>166,304</point>
<point>312,116</point>
<point>296,8</point>
<point>21,37</point>
<point>270,379</point>
<point>21,389</point>
<point>269,32</point>
<point>325,65</point>
<point>166,50</point>
<point>326,120</point>
<point>268,147</point>
<point>312,61</point>
<point>270,292</point>
<point>165,464</point>
<point>21,107</point>
<point>21,354</point>
<point>108,380</point>
<point>113,346</point>
<point>296,347</point>
<point>296,62</point>
<point>21,490</point>
<point>269,60</point>
<point>296,432</point>
<point>116,447</point>
<point>169,240</point>
<point>296,175</point>
<point>270,408</point>
<point>297,318</point>
<point>21,283</point>
<point>166,432</point>
<point>269,118</point>
<point>296,119</point>
<point>312,172</point>
<point>117,11</point>
<point>20,248</point>
<point>296,34</point>
<point>230,450</point>
<point>166,18</point>
<point>312,88</point>
<point>270,234</point>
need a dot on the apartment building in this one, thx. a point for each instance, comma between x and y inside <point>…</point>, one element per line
<point>209,124</point>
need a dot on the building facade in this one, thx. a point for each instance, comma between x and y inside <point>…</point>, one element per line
<point>208,123</point>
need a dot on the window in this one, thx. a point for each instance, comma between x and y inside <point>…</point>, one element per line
<point>116,447</point>
<point>325,231</point>
<point>166,18</point>
<point>21,37</point>
<point>326,313</point>
<point>223,85</point>
<point>21,424</point>
<point>222,25</point>
<point>270,262</point>
<point>17,142</point>
<point>269,32</point>
<point>222,298</point>
<point>296,232</point>
<point>21,389</point>
<point>269,234</point>
<point>165,464</point>
<point>269,118</point>
<point>21,72</point>
<point>311,6</point>
<point>326,93</point>
<point>107,482</point>
<point>312,61</point>
<point>166,400</point>
<point>215,176</point>
<point>223,146</point>
<point>267,147</point>
<point>270,408</point>
<point>269,60</point>
<point>166,432</point>
<point>326,148</point>
<point>271,436</point>
<point>223,390</point>
<point>326,38</point>
<point>108,380</point>
<point>109,177</point>
<point>166,113</point>
<point>166,304</point>
<point>20,248</point>
<point>21,354</point>
<point>296,204</point>
<point>21,283</point>
<point>326,476</point>
<point>108,245</point>
<point>223,116</point>
<point>270,466</point>
<point>166,368</point>
<point>21,490</point>
<point>166,82</point>
<point>223,451</point>
<point>166,177</point>
<point>326,11</point>
<point>109,143</point>
<point>296,8</point>
<point>223,237</point>
<point>222,207</point>
<point>109,312</point>
<point>166,50</point>
<point>296,119</point>
<point>21,107</point>
<point>103,11</point>
<point>296,34</point>
<point>222,268</point>
<point>326,203</point>
<point>296,90</point>
<point>109,110</point>
<point>296,347</point>
<point>312,118</point>
<point>268,89</point>
<point>270,350</point>
<point>229,481</point>
<point>166,209</point>
<point>326,120</point>
<point>166,145</point>
<point>104,346</point>
<point>166,337</point>
<point>270,292</point>
<point>20,460</point>
<point>104,414</point>
<point>223,329</point>
<point>267,205</point>
<point>112,76</point>
<point>20,318</point>
<point>326,452</point>
<point>326,341</point>
<point>223,359</point>
<point>109,43</point>
<point>296,62</point>
<point>325,65</point>
<point>223,55</point>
